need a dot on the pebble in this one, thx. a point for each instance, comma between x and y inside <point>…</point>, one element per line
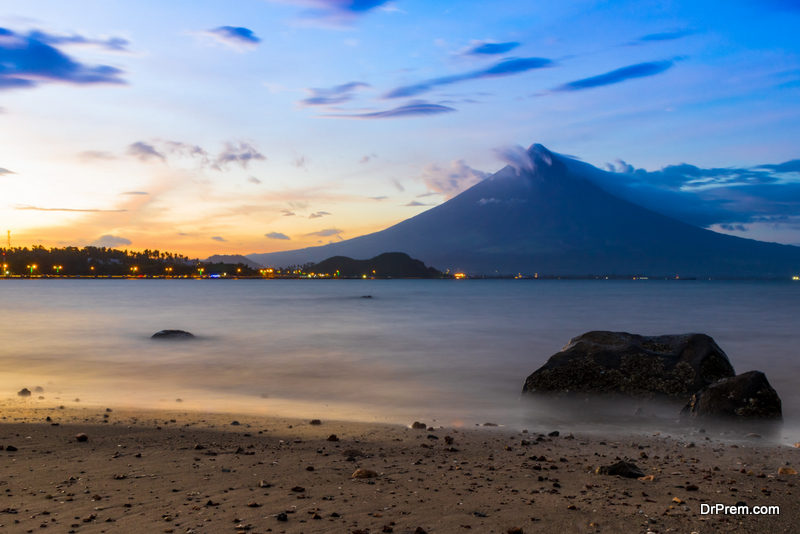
<point>24,392</point>
<point>333,437</point>
<point>364,473</point>
<point>81,437</point>
<point>282,517</point>
<point>786,471</point>
<point>416,425</point>
<point>315,422</point>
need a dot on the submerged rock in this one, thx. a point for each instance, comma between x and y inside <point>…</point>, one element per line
<point>602,362</point>
<point>746,396</point>
<point>172,334</point>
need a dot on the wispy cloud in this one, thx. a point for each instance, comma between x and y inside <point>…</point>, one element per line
<point>415,203</point>
<point>90,155</point>
<point>507,67</point>
<point>110,241</point>
<point>144,151</point>
<point>253,180</point>
<point>29,60</point>
<point>76,210</point>
<point>114,44</point>
<point>332,95</point>
<point>4,172</point>
<point>663,36</point>
<point>241,154</point>
<point>484,48</point>
<point>135,193</point>
<point>219,238</point>
<point>452,179</point>
<point>318,214</point>
<point>413,109</point>
<point>640,70</point>
<point>327,232</point>
<point>276,235</point>
<point>336,13</point>
<point>236,37</point>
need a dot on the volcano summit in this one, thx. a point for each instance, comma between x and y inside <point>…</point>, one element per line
<point>545,215</point>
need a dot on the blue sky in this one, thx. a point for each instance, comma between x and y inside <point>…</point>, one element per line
<point>262,125</point>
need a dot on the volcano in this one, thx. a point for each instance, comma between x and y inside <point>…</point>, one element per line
<point>548,217</point>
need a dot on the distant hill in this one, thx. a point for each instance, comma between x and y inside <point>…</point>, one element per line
<point>386,265</point>
<point>233,259</point>
<point>550,218</point>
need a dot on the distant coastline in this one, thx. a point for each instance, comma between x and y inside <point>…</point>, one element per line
<point>107,263</point>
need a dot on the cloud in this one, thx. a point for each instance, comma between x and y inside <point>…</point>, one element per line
<point>732,196</point>
<point>276,235</point>
<point>113,44</point>
<point>451,180</point>
<point>507,67</point>
<point>144,151</point>
<point>235,37</point>
<point>4,172</point>
<point>482,48</point>
<point>328,232</point>
<point>318,214</point>
<point>337,12</point>
<point>241,154</point>
<point>28,60</point>
<point>219,238</point>
<point>413,109</point>
<point>663,36</point>
<point>186,150</point>
<point>332,95</point>
<point>517,157</point>
<point>253,180</point>
<point>287,213</point>
<point>397,185</point>
<point>415,203</point>
<point>379,197</point>
<point>135,193</point>
<point>75,210</point>
<point>110,241</point>
<point>640,70</point>
<point>300,162</point>
<point>368,158</point>
<point>89,155</point>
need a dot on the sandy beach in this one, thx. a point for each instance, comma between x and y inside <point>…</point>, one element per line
<point>182,472</point>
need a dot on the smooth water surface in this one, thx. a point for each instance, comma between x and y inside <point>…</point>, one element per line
<point>444,350</point>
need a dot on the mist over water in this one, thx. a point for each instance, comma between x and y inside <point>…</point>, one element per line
<point>454,352</point>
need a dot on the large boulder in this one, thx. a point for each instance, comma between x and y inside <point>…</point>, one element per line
<point>619,363</point>
<point>745,396</point>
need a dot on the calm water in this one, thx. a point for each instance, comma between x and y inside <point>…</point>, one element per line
<point>450,351</point>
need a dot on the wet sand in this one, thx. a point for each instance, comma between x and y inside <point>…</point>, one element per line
<point>183,472</point>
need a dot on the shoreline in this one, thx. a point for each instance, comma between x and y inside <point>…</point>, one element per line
<point>184,471</point>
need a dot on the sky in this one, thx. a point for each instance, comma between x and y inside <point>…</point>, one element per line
<point>254,126</point>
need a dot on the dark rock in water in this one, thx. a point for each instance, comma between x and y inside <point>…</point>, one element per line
<point>747,396</point>
<point>24,392</point>
<point>172,334</point>
<point>622,469</point>
<point>603,362</point>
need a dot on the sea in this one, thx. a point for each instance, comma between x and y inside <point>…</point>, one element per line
<point>449,352</point>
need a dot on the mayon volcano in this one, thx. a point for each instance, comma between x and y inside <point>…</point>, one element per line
<point>547,216</point>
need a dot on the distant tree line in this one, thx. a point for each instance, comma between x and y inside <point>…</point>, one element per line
<point>103,261</point>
